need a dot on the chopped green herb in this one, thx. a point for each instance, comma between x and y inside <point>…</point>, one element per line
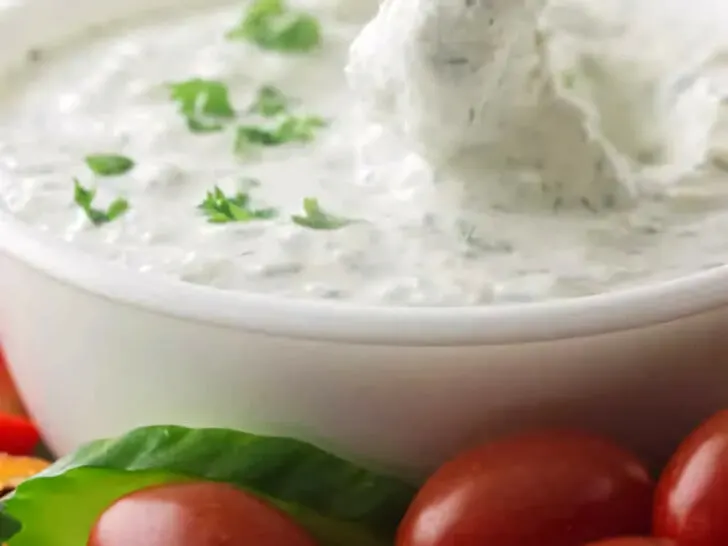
<point>288,130</point>
<point>204,104</point>
<point>271,25</point>
<point>315,218</point>
<point>197,125</point>
<point>252,135</point>
<point>221,209</point>
<point>299,129</point>
<point>270,102</point>
<point>84,198</point>
<point>109,164</point>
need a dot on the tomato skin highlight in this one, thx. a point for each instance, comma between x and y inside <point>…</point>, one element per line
<point>691,501</point>
<point>195,514</point>
<point>557,488</point>
<point>634,541</point>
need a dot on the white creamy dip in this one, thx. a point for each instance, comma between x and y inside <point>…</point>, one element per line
<point>412,241</point>
<point>594,98</point>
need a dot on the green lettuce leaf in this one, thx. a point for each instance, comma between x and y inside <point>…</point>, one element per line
<point>340,503</point>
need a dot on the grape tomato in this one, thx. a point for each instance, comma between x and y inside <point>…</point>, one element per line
<point>195,514</point>
<point>634,541</point>
<point>691,502</point>
<point>555,488</point>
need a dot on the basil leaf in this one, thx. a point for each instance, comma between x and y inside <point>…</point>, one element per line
<point>219,208</point>
<point>315,218</point>
<point>271,25</point>
<point>84,198</point>
<point>9,526</point>
<point>109,164</point>
<point>203,103</point>
<point>338,502</point>
<point>61,511</point>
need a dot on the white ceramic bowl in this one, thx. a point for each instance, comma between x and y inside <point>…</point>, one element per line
<point>96,349</point>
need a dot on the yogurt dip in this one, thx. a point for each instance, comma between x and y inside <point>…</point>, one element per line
<point>410,227</point>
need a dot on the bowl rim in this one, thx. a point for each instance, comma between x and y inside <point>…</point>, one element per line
<point>347,322</point>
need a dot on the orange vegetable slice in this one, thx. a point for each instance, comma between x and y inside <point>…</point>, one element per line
<point>14,470</point>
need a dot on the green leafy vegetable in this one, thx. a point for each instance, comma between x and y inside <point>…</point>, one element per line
<point>109,164</point>
<point>84,198</point>
<point>205,104</point>
<point>315,218</point>
<point>285,131</point>
<point>9,526</point>
<point>269,102</point>
<point>61,511</point>
<point>220,208</point>
<point>271,25</point>
<point>338,502</point>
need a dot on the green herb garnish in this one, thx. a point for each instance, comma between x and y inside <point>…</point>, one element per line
<point>315,218</point>
<point>271,25</point>
<point>254,135</point>
<point>109,164</point>
<point>84,198</point>
<point>269,102</point>
<point>220,209</point>
<point>287,130</point>
<point>203,103</point>
<point>299,129</point>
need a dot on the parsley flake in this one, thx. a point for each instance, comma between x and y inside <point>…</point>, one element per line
<point>109,164</point>
<point>203,103</point>
<point>271,25</point>
<point>269,102</point>
<point>287,130</point>
<point>248,135</point>
<point>221,209</point>
<point>84,198</point>
<point>299,129</point>
<point>316,218</point>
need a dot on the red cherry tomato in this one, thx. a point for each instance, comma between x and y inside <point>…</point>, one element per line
<point>634,541</point>
<point>555,488</point>
<point>195,514</point>
<point>691,502</point>
<point>18,436</point>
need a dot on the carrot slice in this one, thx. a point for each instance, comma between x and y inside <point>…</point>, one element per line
<point>14,470</point>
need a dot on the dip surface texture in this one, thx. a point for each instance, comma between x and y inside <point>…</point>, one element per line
<point>405,238</point>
